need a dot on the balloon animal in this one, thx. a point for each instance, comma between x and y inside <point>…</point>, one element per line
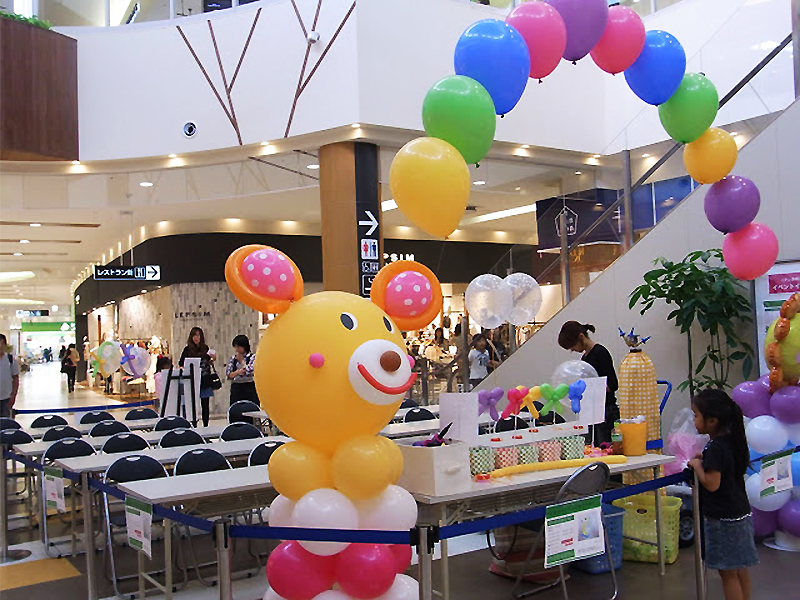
<point>331,372</point>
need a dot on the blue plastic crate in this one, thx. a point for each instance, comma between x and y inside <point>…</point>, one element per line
<point>599,564</point>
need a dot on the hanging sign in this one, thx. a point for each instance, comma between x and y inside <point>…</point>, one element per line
<point>54,489</point>
<point>139,521</point>
<point>776,473</point>
<point>573,530</point>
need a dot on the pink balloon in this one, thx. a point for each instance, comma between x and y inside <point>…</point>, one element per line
<point>267,272</point>
<point>750,252</point>
<point>402,557</point>
<point>764,523</point>
<point>544,32</point>
<point>366,570</point>
<point>753,398</point>
<point>622,41</point>
<point>408,294</point>
<point>785,405</point>
<point>789,518</point>
<point>296,574</point>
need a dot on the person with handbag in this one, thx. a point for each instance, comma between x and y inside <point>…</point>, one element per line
<point>196,347</point>
<point>69,366</point>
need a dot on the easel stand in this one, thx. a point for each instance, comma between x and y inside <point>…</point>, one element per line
<point>177,404</point>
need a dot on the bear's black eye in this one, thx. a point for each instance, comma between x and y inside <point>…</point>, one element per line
<point>348,321</point>
<point>388,324</point>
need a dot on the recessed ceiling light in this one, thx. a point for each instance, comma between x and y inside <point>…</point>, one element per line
<point>595,156</point>
<point>173,156</point>
<point>36,224</point>
<point>144,291</point>
<point>146,184</point>
<point>388,205</point>
<point>645,155</point>
<point>54,308</point>
<point>265,143</point>
<point>734,133</point>
<point>355,125</point>
<point>525,146</point>
<point>313,167</point>
<point>17,253</point>
<point>76,162</point>
<point>501,214</point>
<point>517,189</point>
<point>24,241</point>
<point>479,182</point>
<point>578,172</point>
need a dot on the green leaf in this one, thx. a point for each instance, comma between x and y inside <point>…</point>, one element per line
<point>738,355</point>
<point>701,365</point>
<point>747,366</point>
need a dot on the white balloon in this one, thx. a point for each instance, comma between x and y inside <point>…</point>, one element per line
<point>109,355</point>
<point>270,595</point>
<point>333,595</point>
<point>139,363</point>
<point>766,434</point>
<point>488,300</point>
<point>280,512</point>
<point>403,588</point>
<point>325,508</point>
<point>768,503</point>
<point>571,371</point>
<point>526,298</point>
<point>794,433</point>
<point>393,510</point>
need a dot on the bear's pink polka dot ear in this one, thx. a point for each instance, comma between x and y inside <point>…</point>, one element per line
<point>409,293</point>
<point>264,278</point>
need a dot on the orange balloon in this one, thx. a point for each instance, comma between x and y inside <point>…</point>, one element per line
<point>363,467</point>
<point>396,457</point>
<point>296,468</point>
<point>710,157</point>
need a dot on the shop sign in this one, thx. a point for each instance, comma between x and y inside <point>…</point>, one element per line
<point>128,273</point>
<point>192,314</point>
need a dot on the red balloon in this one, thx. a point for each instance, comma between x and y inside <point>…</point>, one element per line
<point>296,574</point>
<point>544,32</point>
<point>402,557</point>
<point>622,41</point>
<point>750,252</point>
<point>366,570</point>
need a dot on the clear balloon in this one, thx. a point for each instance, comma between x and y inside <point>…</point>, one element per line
<point>394,510</point>
<point>785,405</point>
<point>764,523</point>
<point>495,55</point>
<point>280,512</point>
<point>711,157</point>
<point>137,360</point>
<point>753,398</point>
<point>430,183</point>
<point>571,371</point>
<point>526,298</point>
<point>769,503</point>
<point>109,357</point>
<point>403,588</point>
<point>732,203</point>
<point>489,301</point>
<point>691,110</point>
<point>545,35</point>
<point>750,252</point>
<point>325,509</point>
<point>366,570</point>
<point>585,21</point>
<point>766,434</point>
<point>460,111</point>
<point>789,518</point>
<point>622,41</point>
<point>659,70</point>
<point>296,574</point>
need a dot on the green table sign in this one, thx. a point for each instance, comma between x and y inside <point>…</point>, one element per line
<point>139,521</point>
<point>573,530</point>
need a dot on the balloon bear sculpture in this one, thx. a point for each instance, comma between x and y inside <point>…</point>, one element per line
<point>331,371</point>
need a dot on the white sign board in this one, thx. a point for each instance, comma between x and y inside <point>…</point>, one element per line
<point>139,522</point>
<point>573,530</point>
<point>593,403</point>
<point>54,489</point>
<point>462,411</point>
<point>776,473</point>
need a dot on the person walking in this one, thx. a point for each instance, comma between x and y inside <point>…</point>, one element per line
<point>69,365</point>
<point>9,379</point>
<point>196,347</point>
<point>240,371</point>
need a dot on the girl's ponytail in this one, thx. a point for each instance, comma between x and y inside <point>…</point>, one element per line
<point>739,439</point>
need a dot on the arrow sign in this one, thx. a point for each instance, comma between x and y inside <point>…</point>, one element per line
<point>153,273</point>
<point>372,223</point>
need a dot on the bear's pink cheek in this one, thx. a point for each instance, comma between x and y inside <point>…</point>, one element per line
<point>316,360</point>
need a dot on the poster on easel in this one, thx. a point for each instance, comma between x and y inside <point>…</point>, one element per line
<point>771,291</point>
<point>181,391</point>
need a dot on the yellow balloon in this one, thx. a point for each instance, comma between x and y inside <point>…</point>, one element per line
<point>711,157</point>
<point>430,183</point>
<point>295,469</point>
<point>396,458</point>
<point>363,467</point>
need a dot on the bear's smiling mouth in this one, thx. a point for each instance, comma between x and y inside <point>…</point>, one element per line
<point>392,391</point>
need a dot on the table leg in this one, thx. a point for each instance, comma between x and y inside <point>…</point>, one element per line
<point>140,573</point>
<point>6,555</point>
<point>657,493</point>
<point>88,535</point>
<point>168,559</point>
<point>445,560</point>
<point>699,568</point>
<point>425,566</point>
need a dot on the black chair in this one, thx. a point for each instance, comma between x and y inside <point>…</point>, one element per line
<point>96,416</point>
<point>60,432</point>
<point>261,454</point>
<point>48,421</point>
<point>124,442</point>
<point>12,437</point>
<point>6,423</point>
<point>551,418</point>
<point>124,470</point>
<point>510,423</point>
<point>586,481</point>
<point>139,414</point>
<point>64,448</point>
<point>200,460</point>
<point>237,409</point>
<point>172,422</point>
<point>180,437</point>
<point>418,414</point>
<point>107,428</point>
<point>240,431</point>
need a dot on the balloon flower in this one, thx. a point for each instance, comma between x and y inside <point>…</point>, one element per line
<point>576,391</point>
<point>487,402</point>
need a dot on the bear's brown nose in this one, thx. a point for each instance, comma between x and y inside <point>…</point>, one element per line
<point>391,361</point>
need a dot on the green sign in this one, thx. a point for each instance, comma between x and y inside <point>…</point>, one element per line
<point>52,326</point>
<point>573,530</point>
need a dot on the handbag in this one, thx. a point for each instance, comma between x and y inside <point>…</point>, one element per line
<point>66,363</point>
<point>211,380</point>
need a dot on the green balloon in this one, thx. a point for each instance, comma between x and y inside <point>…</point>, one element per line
<point>460,111</point>
<point>691,110</point>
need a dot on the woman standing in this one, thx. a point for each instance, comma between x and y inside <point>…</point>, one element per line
<point>240,371</point>
<point>196,348</point>
<point>69,365</point>
<point>574,336</point>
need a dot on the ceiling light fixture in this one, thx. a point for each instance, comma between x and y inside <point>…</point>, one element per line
<point>265,143</point>
<point>356,125</point>
<point>645,155</point>
<point>525,146</point>
<point>479,182</point>
<point>517,189</point>
<point>17,253</point>
<point>54,308</point>
<point>734,133</point>
<point>173,156</point>
<point>313,167</point>
<point>501,214</point>
<point>20,301</point>
<point>24,241</point>
<point>144,291</point>
<point>578,172</point>
<point>10,276</point>
<point>595,156</point>
<point>387,205</point>
<point>146,184</point>
<point>36,224</point>
<point>76,162</point>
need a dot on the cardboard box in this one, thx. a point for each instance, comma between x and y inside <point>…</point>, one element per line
<point>436,471</point>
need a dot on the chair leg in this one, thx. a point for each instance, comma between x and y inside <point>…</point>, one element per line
<point>610,560</point>
<point>563,581</point>
<point>528,560</point>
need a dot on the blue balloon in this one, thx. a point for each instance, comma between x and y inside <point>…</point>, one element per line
<point>495,55</point>
<point>796,469</point>
<point>659,70</point>
<point>755,466</point>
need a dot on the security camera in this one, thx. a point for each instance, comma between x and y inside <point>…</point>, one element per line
<point>312,37</point>
<point>189,129</point>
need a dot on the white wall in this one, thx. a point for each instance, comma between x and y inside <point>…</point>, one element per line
<point>770,160</point>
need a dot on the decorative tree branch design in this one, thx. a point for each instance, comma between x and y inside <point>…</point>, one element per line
<point>228,107</point>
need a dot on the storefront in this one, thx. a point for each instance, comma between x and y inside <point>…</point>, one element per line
<point>38,337</point>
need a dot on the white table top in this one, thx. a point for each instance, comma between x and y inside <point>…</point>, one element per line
<point>431,426</point>
<point>36,449</point>
<point>180,488</point>
<point>87,427</point>
<point>536,479</point>
<point>100,462</point>
<point>401,412</point>
<point>256,414</point>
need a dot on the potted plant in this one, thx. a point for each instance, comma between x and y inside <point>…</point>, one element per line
<point>703,292</point>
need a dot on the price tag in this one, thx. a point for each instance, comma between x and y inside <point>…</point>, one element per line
<point>776,473</point>
<point>54,489</point>
<point>573,530</point>
<point>139,521</point>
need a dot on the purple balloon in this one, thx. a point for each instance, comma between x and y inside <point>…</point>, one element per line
<point>764,523</point>
<point>785,405</point>
<point>764,381</point>
<point>585,20</point>
<point>789,517</point>
<point>732,203</point>
<point>752,398</point>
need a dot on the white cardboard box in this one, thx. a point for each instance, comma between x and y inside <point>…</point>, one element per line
<point>435,471</point>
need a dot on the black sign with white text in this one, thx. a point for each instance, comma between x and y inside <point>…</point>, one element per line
<point>127,273</point>
<point>368,211</point>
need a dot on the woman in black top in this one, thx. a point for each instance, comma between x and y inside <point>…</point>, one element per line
<point>574,336</point>
<point>196,348</point>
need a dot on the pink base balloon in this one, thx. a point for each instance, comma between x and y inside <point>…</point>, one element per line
<point>366,570</point>
<point>750,252</point>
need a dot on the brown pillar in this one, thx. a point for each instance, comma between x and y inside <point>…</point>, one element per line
<point>352,242</point>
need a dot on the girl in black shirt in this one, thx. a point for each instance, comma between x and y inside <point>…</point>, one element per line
<point>574,336</point>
